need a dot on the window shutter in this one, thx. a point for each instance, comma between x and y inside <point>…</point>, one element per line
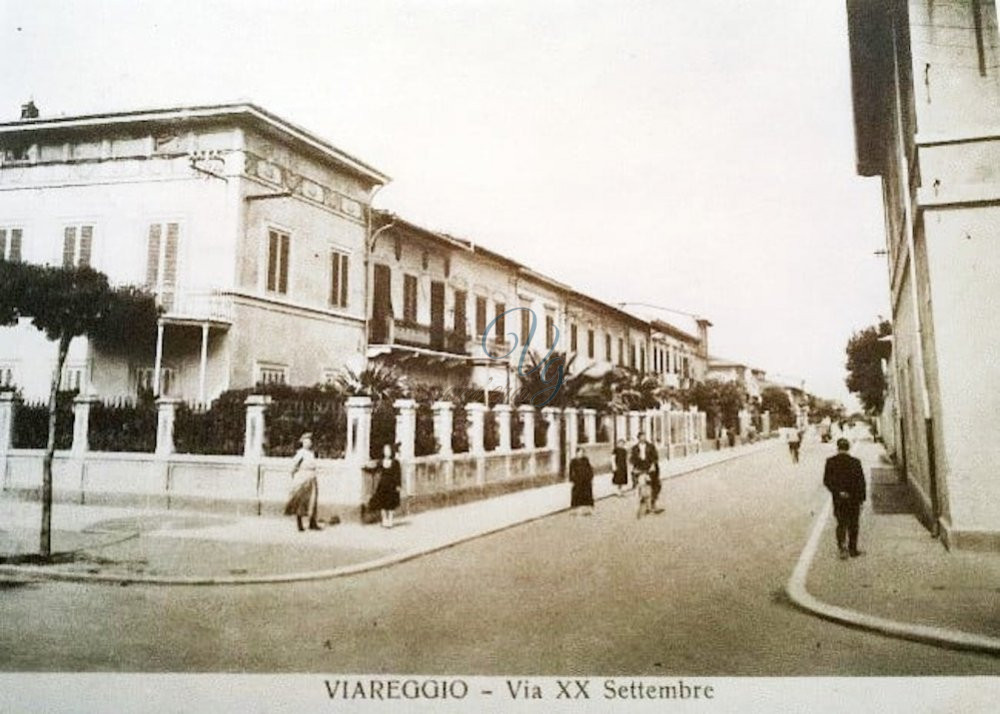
<point>272,261</point>
<point>170,256</point>
<point>14,254</point>
<point>69,247</point>
<point>86,243</point>
<point>153,257</point>
<point>334,278</point>
<point>343,281</point>
<point>283,266</point>
<point>3,243</point>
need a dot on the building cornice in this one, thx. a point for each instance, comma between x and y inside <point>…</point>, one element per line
<point>208,113</point>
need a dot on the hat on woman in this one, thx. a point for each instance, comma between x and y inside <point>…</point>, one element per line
<point>307,435</point>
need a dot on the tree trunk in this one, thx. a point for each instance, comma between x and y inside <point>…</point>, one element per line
<point>45,544</point>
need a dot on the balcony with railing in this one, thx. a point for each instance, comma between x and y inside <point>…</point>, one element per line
<point>196,306</point>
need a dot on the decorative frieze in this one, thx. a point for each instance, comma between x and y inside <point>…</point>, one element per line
<point>297,184</point>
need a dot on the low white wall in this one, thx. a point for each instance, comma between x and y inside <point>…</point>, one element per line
<point>214,478</point>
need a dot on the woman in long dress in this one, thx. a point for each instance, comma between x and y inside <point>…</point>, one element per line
<point>386,496</point>
<point>304,497</point>
<point>619,466</point>
<point>581,473</point>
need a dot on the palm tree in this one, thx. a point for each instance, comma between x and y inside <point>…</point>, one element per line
<point>550,382</point>
<point>378,382</point>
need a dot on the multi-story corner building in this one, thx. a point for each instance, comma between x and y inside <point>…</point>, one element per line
<point>926,92</point>
<point>249,230</point>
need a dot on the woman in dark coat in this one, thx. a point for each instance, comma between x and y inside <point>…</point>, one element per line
<point>582,475</point>
<point>619,466</point>
<point>386,496</point>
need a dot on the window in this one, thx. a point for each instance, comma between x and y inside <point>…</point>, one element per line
<point>590,344</point>
<point>642,359</point>
<point>338,279</point>
<point>16,154</point>
<point>572,337</point>
<point>6,375</point>
<point>161,257</point>
<point>461,299</point>
<point>277,262</point>
<point>632,356</point>
<point>480,315</point>
<point>410,298</point>
<point>501,322</point>
<point>621,352</point>
<point>525,326</point>
<point>78,243</point>
<point>607,348</point>
<point>550,331</point>
<point>10,244</point>
<point>269,373</point>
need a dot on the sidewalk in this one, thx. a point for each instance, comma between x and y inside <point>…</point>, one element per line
<point>174,547</point>
<point>906,584</point>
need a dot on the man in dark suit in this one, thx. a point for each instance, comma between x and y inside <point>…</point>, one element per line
<point>845,479</point>
<point>645,460</point>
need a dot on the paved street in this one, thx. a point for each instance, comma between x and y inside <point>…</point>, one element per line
<point>695,590</point>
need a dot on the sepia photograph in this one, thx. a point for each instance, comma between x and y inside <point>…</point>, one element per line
<point>499,355</point>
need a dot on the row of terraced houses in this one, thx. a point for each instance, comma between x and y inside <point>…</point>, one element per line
<point>260,242</point>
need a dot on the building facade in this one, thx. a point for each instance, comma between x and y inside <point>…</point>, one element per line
<point>249,231</point>
<point>926,91</point>
<point>259,242</point>
<point>448,312</point>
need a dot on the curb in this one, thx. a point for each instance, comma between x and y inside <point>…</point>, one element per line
<point>37,573</point>
<point>926,634</point>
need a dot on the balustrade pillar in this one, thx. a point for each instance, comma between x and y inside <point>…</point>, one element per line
<point>253,438</point>
<point>81,423</point>
<point>527,413</point>
<point>590,425</point>
<point>359,429</point>
<point>476,414</point>
<point>406,428</point>
<point>443,426</point>
<point>8,404</point>
<point>502,413</point>
<point>166,416</point>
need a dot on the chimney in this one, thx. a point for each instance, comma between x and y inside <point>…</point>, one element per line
<point>703,326</point>
<point>29,110</point>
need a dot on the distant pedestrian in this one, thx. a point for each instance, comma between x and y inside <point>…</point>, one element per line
<point>385,500</point>
<point>619,466</point>
<point>581,474</point>
<point>303,500</point>
<point>646,461</point>
<point>845,479</point>
<point>794,443</point>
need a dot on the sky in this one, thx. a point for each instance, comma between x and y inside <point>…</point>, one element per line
<point>693,155</point>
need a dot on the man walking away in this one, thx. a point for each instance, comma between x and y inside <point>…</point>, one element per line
<point>645,460</point>
<point>845,479</point>
<point>794,442</point>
